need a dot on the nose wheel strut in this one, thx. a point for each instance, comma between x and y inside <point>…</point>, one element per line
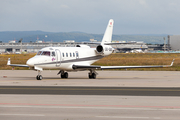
<point>39,77</point>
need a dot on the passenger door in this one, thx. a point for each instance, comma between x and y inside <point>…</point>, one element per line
<point>58,58</point>
<point>77,55</point>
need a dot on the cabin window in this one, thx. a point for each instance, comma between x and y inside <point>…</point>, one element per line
<point>77,55</point>
<point>39,53</point>
<point>63,54</point>
<point>110,49</point>
<point>70,55</point>
<point>53,54</point>
<point>73,55</point>
<point>106,49</point>
<point>66,54</point>
<point>46,53</point>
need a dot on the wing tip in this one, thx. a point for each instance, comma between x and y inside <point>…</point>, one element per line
<point>9,61</point>
<point>172,62</point>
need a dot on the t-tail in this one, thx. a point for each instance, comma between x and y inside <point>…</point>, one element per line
<point>108,33</point>
<point>103,48</point>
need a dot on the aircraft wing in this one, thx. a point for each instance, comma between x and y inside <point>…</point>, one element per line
<point>83,67</point>
<point>75,67</point>
<point>15,65</point>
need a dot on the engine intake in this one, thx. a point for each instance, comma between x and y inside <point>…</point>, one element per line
<point>99,49</point>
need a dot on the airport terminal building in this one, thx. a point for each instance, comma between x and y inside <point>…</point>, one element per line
<point>35,47</point>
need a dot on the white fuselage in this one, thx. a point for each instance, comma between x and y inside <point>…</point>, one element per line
<point>64,58</point>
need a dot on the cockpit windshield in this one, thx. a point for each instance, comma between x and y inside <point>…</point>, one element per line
<point>46,53</point>
<point>39,53</point>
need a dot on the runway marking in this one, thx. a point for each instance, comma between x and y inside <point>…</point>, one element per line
<point>126,117</point>
<point>101,108</point>
<point>90,106</point>
<point>22,115</point>
<point>92,89</point>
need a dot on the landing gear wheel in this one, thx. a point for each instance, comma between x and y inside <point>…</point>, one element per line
<point>62,76</point>
<point>65,75</point>
<point>92,76</point>
<point>39,77</point>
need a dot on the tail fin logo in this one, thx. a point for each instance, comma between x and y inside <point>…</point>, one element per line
<point>108,33</point>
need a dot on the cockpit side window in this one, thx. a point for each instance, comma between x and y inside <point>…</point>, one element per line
<point>39,53</point>
<point>46,53</point>
<point>53,54</point>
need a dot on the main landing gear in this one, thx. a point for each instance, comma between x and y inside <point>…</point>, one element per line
<point>92,74</point>
<point>39,77</point>
<point>63,74</point>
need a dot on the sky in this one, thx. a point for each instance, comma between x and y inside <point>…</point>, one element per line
<point>91,16</point>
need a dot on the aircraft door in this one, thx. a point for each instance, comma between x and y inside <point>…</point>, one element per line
<point>77,54</point>
<point>58,58</point>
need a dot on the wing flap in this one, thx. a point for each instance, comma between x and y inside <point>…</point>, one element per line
<point>83,67</point>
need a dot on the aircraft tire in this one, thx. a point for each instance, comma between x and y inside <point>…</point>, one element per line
<point>89,76</point>
<point>93,76</point>
<point>65,75</point>
<point>39,77</point>
<point>62,76</point>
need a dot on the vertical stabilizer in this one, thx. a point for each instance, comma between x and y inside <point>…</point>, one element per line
<point>108,33</point>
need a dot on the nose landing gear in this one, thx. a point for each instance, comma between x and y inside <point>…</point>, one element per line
<point>39,77</point>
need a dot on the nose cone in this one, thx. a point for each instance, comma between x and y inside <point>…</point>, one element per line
<point>30,62</point>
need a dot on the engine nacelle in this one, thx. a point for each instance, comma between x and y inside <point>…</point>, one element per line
<point>100,49</point>
<point>104,50</point>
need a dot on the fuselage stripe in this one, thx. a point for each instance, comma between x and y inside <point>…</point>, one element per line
<point>74,60</point>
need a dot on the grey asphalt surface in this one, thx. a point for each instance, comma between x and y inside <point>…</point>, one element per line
<point>86,107</point>
<point>62,90</point>
<point>104,78</point>
<point>122,95</point>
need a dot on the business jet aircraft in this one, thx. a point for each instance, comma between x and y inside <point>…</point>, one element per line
<point>75,58</point>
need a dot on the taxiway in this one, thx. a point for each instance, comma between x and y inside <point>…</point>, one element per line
<point>124,95</point>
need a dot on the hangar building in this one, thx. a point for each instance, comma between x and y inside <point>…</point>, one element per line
<point>174,42</point>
